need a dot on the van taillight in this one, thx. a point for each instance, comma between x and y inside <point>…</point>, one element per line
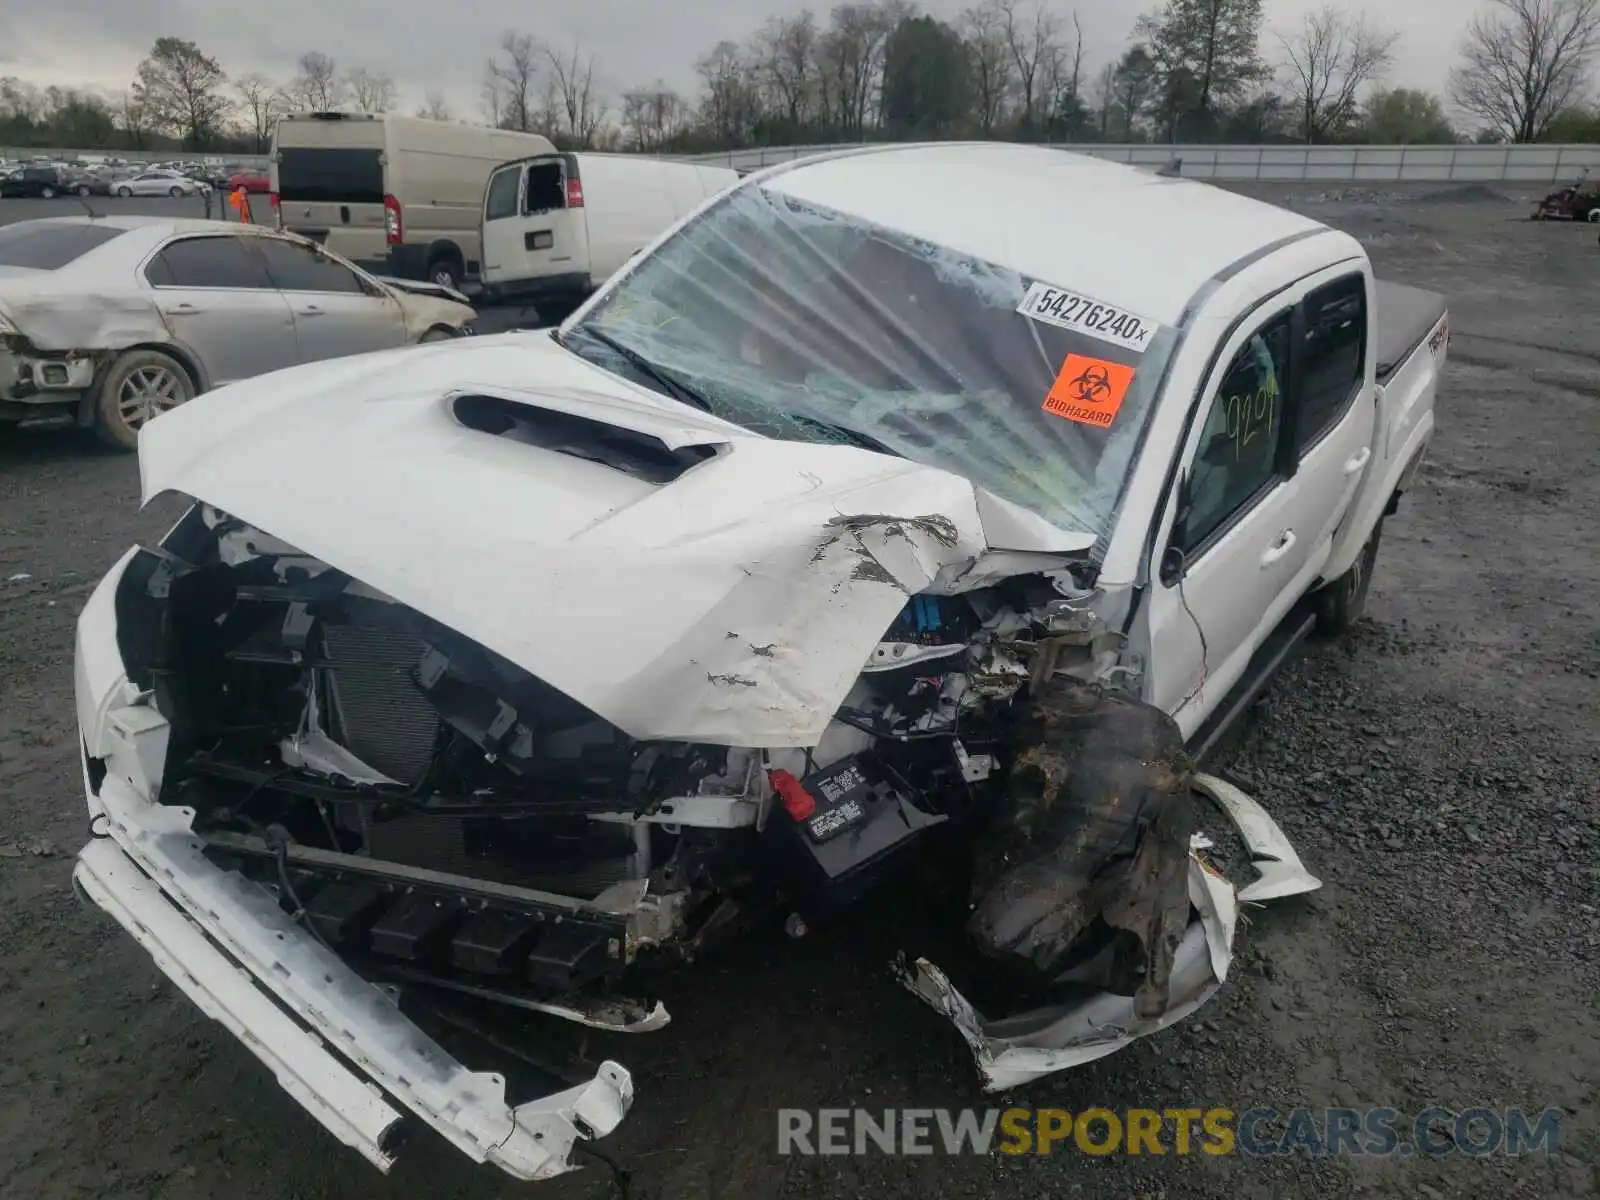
<point>394,224</point>
<point>277,211</point>
<point>574,192</point>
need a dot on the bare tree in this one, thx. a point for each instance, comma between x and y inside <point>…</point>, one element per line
<point>652,117</point>
<point>259,104</point>
<point>731,104</point>
<point>132,114</point>
<point>435,107</point>
<point>372,91</point>
<point>1035,47</point>
<point>1526,61</point>
<point>492,96</point>
<point>179,88</point>
<point>984,29</point>
<point>785,55</point>
<point>317,86</point>
<point>1330,59</point>
<point>513,73</point>
<point>1105,98</point>
<point>580,112</point>
<point>850,58</point>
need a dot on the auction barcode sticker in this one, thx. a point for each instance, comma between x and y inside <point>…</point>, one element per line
<point>1068,310</point>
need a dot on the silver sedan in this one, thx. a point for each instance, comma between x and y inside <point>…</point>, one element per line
<point>160,183</point>
<point>110,321</point>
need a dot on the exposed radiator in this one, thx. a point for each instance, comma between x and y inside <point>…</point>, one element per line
<point>380,715</point>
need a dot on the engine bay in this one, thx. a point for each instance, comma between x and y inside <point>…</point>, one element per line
<point>433,812</point>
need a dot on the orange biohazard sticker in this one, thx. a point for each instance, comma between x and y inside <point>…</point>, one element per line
<point>1088,390</point>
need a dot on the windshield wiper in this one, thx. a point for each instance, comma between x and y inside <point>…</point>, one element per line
<point>675,389</point>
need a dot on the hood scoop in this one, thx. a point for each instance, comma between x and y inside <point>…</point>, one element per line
<point>650,454</point>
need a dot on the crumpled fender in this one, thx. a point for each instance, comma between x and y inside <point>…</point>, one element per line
<point>56,322</point>
<point>1094,822</point>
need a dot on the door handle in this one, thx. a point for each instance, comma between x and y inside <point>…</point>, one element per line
<point>311,311</point>
<point>1356,461</point>
<point>180,310</point>
<point>1278,548</point>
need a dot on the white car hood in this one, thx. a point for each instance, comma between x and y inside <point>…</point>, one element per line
<point>735,605</point>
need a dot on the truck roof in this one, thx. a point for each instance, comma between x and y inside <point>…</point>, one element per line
<point>1121,235</point>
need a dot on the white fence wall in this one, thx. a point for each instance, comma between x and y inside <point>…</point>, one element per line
<point>1366,164</point>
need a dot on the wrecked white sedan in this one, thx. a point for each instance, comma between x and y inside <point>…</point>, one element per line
<point>916,501</point>
<point>109,321</point>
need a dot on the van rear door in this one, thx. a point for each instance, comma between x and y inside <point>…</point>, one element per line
<point>535,235</point>
<point>328,171</point>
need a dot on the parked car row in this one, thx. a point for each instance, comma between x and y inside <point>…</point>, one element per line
<point>46,183</point>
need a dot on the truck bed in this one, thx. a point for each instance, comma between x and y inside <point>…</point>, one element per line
<point>1406,315</point>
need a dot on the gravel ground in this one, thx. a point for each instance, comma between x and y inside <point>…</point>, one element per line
<point>1439,772</point>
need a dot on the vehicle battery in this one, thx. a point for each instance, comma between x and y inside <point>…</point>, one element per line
<point>839,830</point>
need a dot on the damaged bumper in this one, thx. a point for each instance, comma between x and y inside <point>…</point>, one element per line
<point>339,1045</point>
<point>322,1030</point>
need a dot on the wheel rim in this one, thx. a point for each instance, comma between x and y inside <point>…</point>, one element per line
<point>83,191</point>
<point>146,393</point>
<point>444,277</point>
<point>48,193</point>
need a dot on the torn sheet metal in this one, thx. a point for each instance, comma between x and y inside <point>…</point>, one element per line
<point>53,319</point>
<point>1281,871</point>
<point>734,605</point>
<point>1016,1050</point>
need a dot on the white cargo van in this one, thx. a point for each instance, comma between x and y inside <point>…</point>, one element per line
<point>556,226</point>
<point>399,195</point>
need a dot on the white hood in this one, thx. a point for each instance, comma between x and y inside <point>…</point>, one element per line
<point>734,605</point>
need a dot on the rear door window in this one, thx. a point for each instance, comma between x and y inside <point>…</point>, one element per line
<point>1332,362</point>
<point>208,262</point>
<point>48,245</point>
<point>296,268</point>
<point>330,175</point>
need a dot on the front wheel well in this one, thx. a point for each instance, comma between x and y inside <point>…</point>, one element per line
<point>446,250</point>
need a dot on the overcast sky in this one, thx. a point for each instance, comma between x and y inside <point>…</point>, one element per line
<point>435,44</point>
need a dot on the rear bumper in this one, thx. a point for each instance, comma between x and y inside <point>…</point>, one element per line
<point>334,1042</point>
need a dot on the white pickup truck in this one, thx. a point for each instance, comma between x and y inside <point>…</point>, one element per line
<point>917,504</point>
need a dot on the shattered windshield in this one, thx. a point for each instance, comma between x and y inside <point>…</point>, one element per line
<point>805,324</point>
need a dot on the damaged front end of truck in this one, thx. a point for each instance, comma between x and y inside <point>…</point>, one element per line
<point>754,604</point>
<point>298,774</point>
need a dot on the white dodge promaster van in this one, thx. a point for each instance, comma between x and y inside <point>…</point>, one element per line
<point>399,195</point>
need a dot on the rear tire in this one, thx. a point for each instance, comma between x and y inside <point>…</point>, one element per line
<point>1343,602</point>
<point>446,271</point>
<point>175,192</point>
<point>125,192</point>
<point>47,193</point>
<point>83,191</point>
<point>140,385</point>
